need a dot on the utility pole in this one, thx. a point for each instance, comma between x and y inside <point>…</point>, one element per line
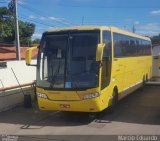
<point>18,55</point>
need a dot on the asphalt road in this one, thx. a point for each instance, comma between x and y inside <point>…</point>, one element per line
<point>137,114</point>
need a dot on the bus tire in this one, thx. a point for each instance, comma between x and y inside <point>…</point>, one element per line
<point>114,101</point>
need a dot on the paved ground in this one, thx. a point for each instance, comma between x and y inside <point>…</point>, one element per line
<point>139,113</point>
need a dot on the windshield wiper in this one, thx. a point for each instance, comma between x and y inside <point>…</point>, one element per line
<point>53,80</point>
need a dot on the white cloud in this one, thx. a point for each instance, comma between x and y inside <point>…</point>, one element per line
<point>136,22</point>
<point>148,29</point>
<point>51,28</point>
<point>42,18</point>
<point>56,19</point>
<point>155,12</point>
<point>31,17</point>
<point>61,20</point>
<point>36,35</point>
<point>21,2</point>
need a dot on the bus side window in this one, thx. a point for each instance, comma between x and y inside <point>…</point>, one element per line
<point>107,41</point>
<point>107,56</point>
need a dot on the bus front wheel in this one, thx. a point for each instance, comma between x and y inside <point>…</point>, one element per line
<point>114,101</point>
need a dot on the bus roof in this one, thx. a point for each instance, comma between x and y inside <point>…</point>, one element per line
<point>110,28</point>
<point>76,28</point>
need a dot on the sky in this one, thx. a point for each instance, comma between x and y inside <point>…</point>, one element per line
<point>48,14</point>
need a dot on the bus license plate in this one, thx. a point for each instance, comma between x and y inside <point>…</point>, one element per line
<point>64,106</point>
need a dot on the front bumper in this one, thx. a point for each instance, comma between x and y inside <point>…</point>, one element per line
<point>89,105</point>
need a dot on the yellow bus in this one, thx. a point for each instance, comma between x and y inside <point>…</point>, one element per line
<point>89,68</point>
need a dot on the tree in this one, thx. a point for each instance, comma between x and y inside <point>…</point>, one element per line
<point>6,25</point>
<point>4,11</point>
<point>26,31</point>
<point>156,39</point>
<point>7,30</point>
<point>36,41</point>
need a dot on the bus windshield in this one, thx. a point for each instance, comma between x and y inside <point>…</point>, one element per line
<point>68,60</point>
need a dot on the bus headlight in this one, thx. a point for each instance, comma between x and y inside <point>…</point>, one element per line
<point>42,95</point>
<point>89,96</point>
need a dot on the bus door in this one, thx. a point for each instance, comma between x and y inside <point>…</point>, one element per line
<point>119,75</point>
<point>118,62</point>
<point>107,60</point>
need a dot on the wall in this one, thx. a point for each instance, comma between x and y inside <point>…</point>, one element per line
<point>25,74</point>
<point>12,98</point>
<point>155,68</point>
<point>156,65</point>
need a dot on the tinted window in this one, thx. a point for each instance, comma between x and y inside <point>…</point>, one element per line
<point>126,46</point>
<point>107,41</point>
<point>106,62</point>
<point>118,49</point>
<point>87,42</point>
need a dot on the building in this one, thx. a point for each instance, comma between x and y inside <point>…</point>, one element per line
<point>9,53</point>
<point>156,50</point>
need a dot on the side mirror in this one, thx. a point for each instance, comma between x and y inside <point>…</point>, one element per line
<point>99,52</point>
<point>29,54</point>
